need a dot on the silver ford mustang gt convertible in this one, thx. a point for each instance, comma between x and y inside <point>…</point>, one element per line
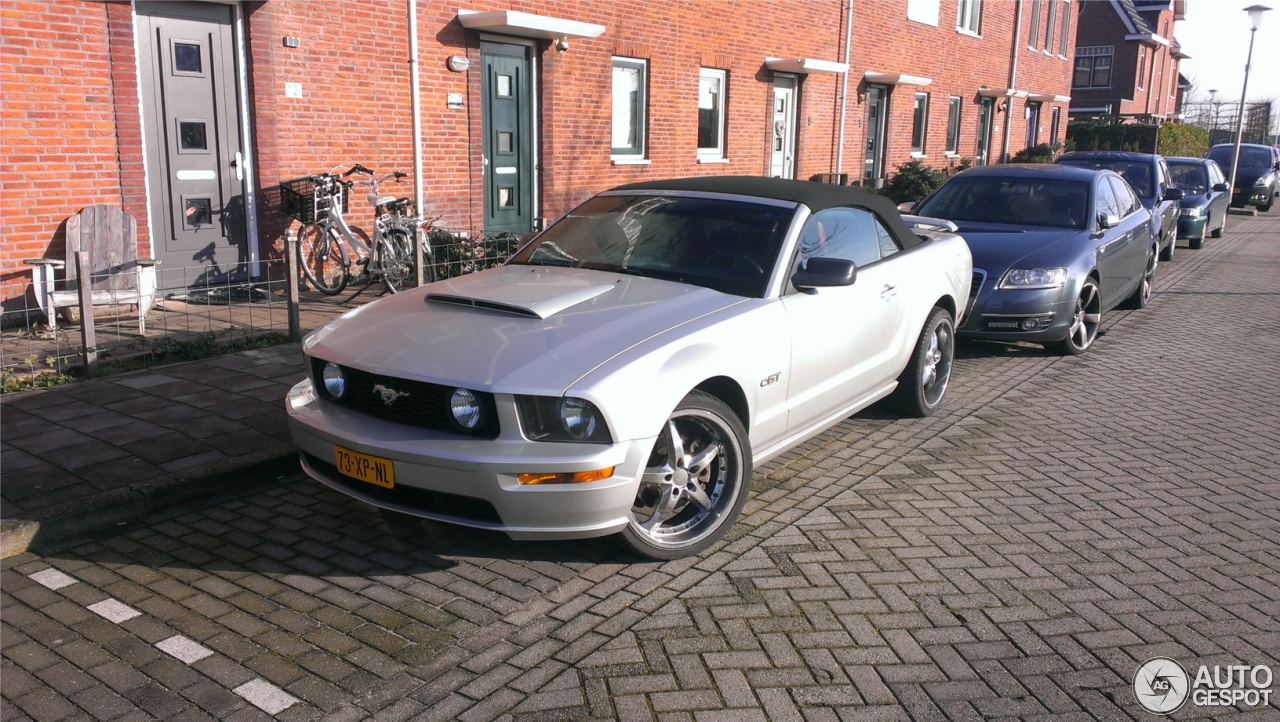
<point>629,366</point>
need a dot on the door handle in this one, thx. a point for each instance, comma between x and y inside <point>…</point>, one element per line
<point>888,292</point>
<point>238,164</point>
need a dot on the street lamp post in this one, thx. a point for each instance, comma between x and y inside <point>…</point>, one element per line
<point>1255,19</point>
<point>1213,106</point>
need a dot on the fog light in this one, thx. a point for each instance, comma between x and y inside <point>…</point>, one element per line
<point>334,383</point>
<point>466,408</point>
<point>575,477</point>
<point>1029,324</point>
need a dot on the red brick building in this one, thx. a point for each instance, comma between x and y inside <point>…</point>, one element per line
<point>187,115</point>
<point>1127,60</point>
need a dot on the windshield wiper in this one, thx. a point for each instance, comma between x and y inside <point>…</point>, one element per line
<point>609,268</point>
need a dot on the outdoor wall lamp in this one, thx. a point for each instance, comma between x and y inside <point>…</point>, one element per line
<point>562,46</point>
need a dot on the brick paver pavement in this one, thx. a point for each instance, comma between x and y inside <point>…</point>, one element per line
<point>1016,556</point>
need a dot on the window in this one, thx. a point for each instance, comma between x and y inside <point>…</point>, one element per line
<point>1126,199</point>
<point>918,122</point>
<point>1053,129</point>
<point>1033,35</point>
<point>969,15</point>
<point>711,87</point>
<point>1048,27</point>
<point>888,244</point>
<point>1106,201</point>
<point>1033,124</point>
<point>923,11</point>
<point>1093,67</point>
<point>1142,66</point>
<point>953,125</point>
<point>1015,201</point>
<point>629,84</point>
<point>1066,28</point>
<point>848,233</point>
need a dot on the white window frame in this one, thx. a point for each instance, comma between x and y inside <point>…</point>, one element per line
<point>969,18</point>
<point>921,150</point>
<point>1049,29</point>
<point>1033,33</point>
<point>1065,30</point>
<point>624,155</point>
<point>716,154</point>
<point>953,125</point>
<point>1142,67</point>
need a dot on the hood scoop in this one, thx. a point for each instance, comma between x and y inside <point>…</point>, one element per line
<point>541,296</point>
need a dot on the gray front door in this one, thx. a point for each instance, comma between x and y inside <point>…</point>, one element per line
<point>875,132</point>
<point>985,112</point>
<point>506,87</point>
<point>782,153</point>
<point>195,162</point>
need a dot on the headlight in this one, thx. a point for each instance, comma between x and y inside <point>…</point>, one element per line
<point>1192,212</point>
<point>334,383</point>
<point>1261,182</point>
<point>465,408</point>
<point>547,418</point>
<point>1029,278</point>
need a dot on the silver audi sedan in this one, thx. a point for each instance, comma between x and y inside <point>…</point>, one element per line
<point>627,369</point>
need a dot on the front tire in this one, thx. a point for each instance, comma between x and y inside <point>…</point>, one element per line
<point>1142,294</point>
<point>323,259</point>
<point>923,383</point>
<point>1085,321</point>
<point>695,483</point>
<point>1222,227</point>
<point>1198,243</point>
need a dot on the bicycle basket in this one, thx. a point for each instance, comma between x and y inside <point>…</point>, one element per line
<point>309,198</point>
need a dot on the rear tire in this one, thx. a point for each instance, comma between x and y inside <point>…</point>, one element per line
<point>1142,294</point>
<point>1166,254</point>
<point>323,259</point>
<point>923,383</point>
<point>395,253</point>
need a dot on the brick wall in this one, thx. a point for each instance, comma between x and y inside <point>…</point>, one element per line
<point>72,135</point>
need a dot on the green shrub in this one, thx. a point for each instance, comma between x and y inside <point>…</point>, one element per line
<point>913,181</point>
<point>1180,139</point>
<point>1043,153</point>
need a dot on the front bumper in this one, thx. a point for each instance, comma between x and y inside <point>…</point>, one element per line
<point>472,482</point>
<point>1253,197</point>
<point>1191,227</point>
<point>1001,314</point>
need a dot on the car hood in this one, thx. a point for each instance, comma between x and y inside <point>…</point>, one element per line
<point>1246,177</point>
<point>1194,200</point>
<point>996,247</point>
<point>512,329</point>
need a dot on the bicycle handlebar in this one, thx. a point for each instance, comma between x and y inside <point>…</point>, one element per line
<point>357,168</point>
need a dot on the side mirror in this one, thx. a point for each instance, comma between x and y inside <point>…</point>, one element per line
<point>907,207</point>
<point>1220,187</point>
<point>1174,194</point>
<point>1108,220</point>
<point>824,272</point>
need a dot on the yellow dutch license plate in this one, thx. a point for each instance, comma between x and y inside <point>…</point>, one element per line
<point>372,469</point>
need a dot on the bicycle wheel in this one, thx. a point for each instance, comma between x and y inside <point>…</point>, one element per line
<point>395,254</point>
<point>322,258</point>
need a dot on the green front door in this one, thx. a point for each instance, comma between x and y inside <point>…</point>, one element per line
<point>507,89</point>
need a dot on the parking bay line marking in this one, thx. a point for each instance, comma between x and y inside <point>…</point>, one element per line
<point>184,649</point>
<point>266,696</point>
<point>114,611</point>
<point>52,578</point>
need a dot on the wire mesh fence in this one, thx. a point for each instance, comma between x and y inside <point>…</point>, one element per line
<point>199,311</point>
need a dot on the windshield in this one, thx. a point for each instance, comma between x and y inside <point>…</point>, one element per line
<point>1249,157</point>
<point>1137,172</point>
<point>725,245</point>
<point>1015,201</point>
<point>1190,177</point>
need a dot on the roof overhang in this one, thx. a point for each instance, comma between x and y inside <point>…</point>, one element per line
<point>1097,109</point>
<point>895,79</point>
<point>1147,38</point>
<point>805,65</point>
<point>1002,93</point>
<point>527,25</point>
<point>1048,98</point>
<point>1176,52</point>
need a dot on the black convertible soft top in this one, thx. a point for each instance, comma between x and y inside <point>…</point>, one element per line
<point>817,196</point>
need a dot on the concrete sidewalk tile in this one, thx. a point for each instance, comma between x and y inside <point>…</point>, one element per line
<point>91,452</point>
<point>52,578</point>
<point>184,649</point>
<point>114,611</point>
<point>55,438</point>
<point>147,381</point>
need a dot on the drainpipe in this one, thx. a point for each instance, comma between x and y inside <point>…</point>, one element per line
<point>416,95</point>
<point>844,84</point>
<point>1013,77</point>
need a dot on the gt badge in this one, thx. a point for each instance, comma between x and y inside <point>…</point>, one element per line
<point>387,395</point>
<point>772,379</point>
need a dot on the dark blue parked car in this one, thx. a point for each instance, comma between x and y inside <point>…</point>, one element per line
<point>1053,248</point>
<point>1204,207</point>
<point>1257,173</point>
<point>1148,174</point>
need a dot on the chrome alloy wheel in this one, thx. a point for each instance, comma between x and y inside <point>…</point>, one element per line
<point>691,482</point>
<point>1149,277</point>
<point>1086,319</point>
<point>935,372</point>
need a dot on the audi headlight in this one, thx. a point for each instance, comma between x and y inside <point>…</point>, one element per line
<point>547,418</point>
<point>1192,212</point>
<point>466,409</point>
<point>1032,278</point>
<point>335,384</point>
<point>1261,182</point>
